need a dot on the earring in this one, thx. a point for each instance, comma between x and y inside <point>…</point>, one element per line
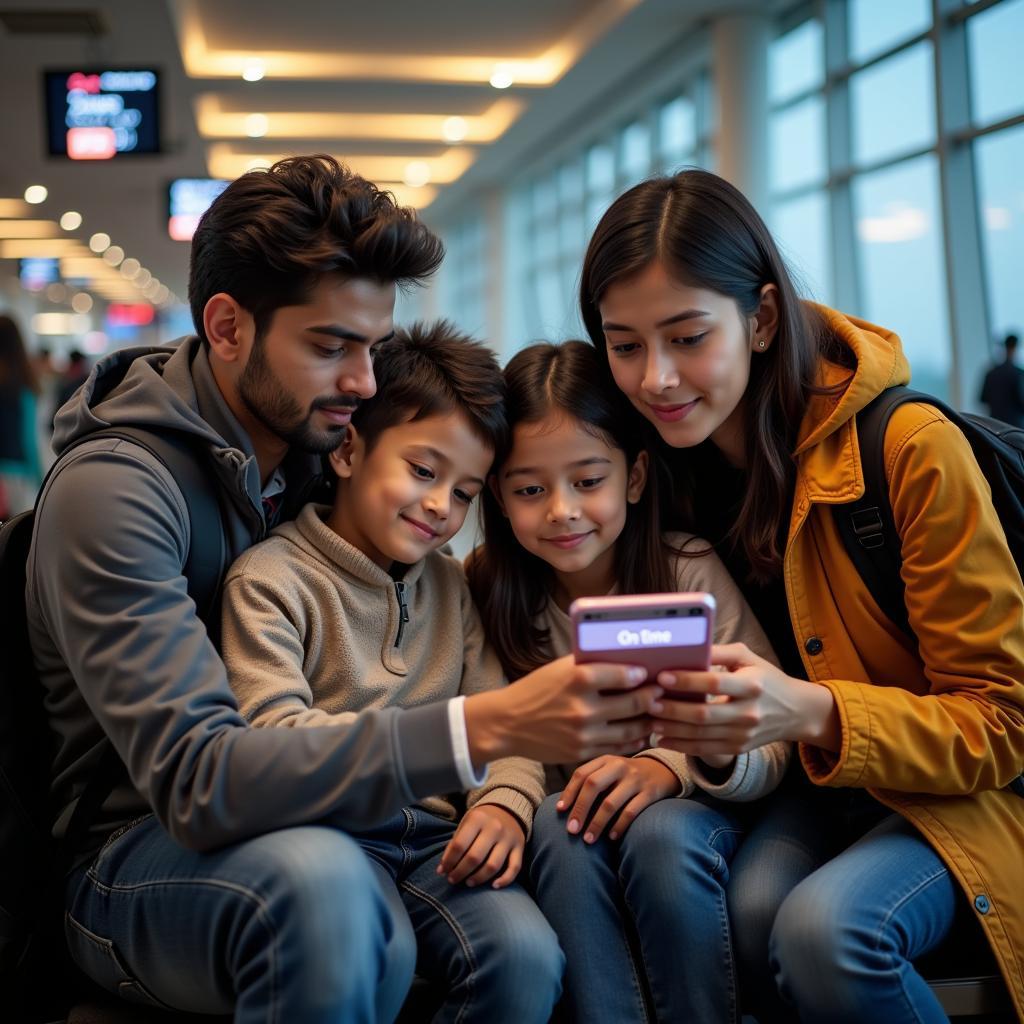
<point>760,344</point>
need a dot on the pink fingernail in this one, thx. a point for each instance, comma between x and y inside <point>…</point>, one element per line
<point>573,826</point>
<point>589,837</point>
<point>560,805</point>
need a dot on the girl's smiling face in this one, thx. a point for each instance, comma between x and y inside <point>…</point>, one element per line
<point>565,492</point>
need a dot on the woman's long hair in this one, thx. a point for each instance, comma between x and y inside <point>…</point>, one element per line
<point>510,585</point>
<point>707,235</point>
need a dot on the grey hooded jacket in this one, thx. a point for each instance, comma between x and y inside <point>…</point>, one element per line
<point>122,654</point>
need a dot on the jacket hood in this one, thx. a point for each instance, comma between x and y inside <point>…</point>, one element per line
<point>880,364</point>
<point>143,387</point>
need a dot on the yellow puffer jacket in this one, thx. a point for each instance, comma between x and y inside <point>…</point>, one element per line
<point>935,733</point>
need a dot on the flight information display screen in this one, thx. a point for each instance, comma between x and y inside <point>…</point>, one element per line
<point>97,115</point>
<point>187,200</point>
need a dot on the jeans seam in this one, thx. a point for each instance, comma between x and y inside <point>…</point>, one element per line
<point>923,884</point>
<point>463,940</point>
<point>245,891</point>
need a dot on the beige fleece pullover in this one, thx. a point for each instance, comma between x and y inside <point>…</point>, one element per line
<point>313,633</point>
<point>754,774</point>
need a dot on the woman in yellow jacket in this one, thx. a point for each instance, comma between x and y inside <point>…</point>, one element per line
<point>897,825</point>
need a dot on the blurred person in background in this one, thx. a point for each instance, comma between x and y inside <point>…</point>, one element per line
<point>1003,390</point>
<point>73,377</point>
<point>20,464</point>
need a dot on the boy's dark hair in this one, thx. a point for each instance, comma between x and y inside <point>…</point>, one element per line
<point>270,236</point>
<point>431,370</point>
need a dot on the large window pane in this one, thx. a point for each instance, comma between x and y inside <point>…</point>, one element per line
<point>636,152</point>
<point>677,131</point>
<point>600,169</point>
<point>899,254</point>
<point>797,145</point>
<point>796,62</point>
<point>894,106</point>
<point>995,40</point>
<point>875,25</point>
<point>999,159</point>
<point>801,229</point>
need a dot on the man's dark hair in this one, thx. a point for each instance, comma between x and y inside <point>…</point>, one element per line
<point>433,370</point>
<point>271,235</point>
<point>1010,343</point>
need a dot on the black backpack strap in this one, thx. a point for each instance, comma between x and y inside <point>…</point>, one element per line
<point>186,461</point>
<point>867,526</point>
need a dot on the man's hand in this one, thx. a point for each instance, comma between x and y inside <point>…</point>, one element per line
<point>563,712</point>
<point>629,784</point>
<point>488,839</point>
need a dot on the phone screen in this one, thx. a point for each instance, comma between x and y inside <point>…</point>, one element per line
<point>629,634</point>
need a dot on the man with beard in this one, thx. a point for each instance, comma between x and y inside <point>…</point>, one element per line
<point>216,874</point>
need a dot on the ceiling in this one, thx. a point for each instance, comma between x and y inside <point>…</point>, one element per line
<point>401,90</point>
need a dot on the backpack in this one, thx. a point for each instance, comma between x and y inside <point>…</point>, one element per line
<point>867,526</point>
<point>34,968</point>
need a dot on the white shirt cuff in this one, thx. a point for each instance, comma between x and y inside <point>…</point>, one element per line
<point>460,745</point>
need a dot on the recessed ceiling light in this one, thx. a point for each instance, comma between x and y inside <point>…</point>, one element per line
<point>36,194</point>
<point>114,255</point>
<point>81,302</point>
<point>99,242</point>
<point>142,278</point>
<point>130,267</point>
<point>417,173</point>
<point>455,129</point>
<point>254,71</point>
<point>502,77</point>
<point>256,125</point>
<point>71,220</point>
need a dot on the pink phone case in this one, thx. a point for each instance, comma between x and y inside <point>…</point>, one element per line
<point>657,631</point>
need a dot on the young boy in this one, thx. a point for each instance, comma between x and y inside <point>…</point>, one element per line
<point>356,606</point>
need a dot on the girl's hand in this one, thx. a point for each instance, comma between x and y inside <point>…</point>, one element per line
<point>629,784</point>
<point>488,839</point>
<point>752,703</point>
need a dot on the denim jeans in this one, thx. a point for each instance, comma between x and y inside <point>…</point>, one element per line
<point>307,924</point>
<point>675,921</point>
<point>291,926</point>
<point>491,950</point>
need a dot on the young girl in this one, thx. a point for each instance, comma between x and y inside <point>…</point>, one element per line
<point>903,818</point>
<point>572,511</point>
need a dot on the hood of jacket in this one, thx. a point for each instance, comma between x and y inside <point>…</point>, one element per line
<point>826,449</point>
<point>140,387</point>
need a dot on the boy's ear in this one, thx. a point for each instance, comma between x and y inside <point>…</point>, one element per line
<point>492,482</point>
<point>637,480</point>
<point>348,453</point>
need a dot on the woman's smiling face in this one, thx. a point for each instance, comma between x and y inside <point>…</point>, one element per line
<point>681,355</point>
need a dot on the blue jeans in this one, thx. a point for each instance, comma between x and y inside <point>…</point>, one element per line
<point>675,921</point>
<point>307,924</point>
<point>491,949</point>
<point>294,925</point>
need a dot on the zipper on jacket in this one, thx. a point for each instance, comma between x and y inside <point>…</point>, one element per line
<point>403,610</point>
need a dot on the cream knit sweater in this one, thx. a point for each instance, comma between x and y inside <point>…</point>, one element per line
<point>313,634</point>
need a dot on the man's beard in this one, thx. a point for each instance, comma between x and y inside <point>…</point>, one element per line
<point>265,397</point>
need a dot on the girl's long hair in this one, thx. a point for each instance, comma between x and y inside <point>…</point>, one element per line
<point>510,585</point>
<point>708,235</point>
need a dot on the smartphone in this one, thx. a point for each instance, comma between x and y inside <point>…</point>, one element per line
<point>656,631</point>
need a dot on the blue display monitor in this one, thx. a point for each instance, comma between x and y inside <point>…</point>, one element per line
<point>187,200</point>
<point>97,115</point>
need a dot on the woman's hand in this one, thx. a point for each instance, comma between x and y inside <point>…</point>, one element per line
<point>488,839</point>
<point>752,702</point>
<point>629,784</point>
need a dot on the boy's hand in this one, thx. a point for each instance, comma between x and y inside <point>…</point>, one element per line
<point>629,784</point>
<point>488,839</point>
